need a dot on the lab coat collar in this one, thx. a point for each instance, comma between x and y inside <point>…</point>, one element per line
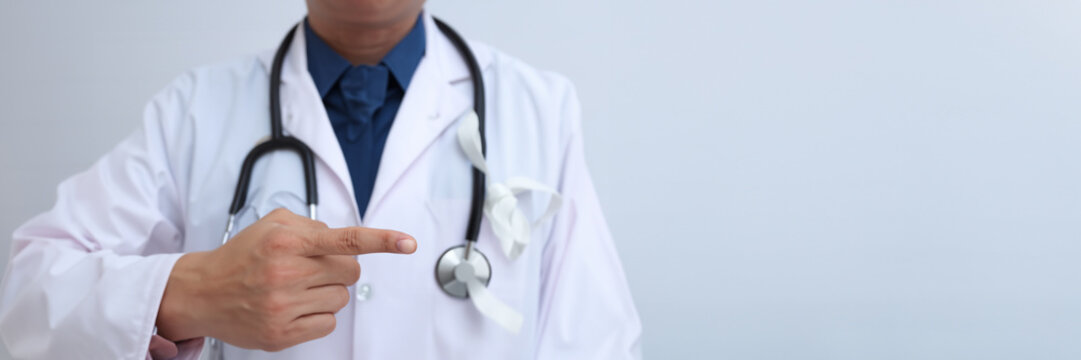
<point>438,95</point>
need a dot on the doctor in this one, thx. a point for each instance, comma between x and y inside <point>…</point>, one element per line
<point>129,263</point>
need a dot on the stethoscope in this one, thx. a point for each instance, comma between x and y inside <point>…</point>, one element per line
<point>457,262</point>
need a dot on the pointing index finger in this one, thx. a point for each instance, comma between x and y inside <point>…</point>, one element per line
<point>359,240</point>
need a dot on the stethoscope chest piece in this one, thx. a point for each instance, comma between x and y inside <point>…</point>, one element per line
<point>453,270</point>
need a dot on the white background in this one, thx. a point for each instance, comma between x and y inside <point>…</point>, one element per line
<point>785,179</point>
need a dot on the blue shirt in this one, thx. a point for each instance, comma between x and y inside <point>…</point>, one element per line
<point>362,100</point>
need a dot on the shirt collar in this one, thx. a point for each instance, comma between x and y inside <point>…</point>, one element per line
<point>326,66</point>
<point>403,59</point>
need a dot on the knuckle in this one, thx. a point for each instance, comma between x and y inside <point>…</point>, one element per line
<point>354,268</point>
<point>273,304</point>
<point>279,212</point>
<point>351,241</point>
<point>276,274</point>
<point>328,326</point>
<point>387,240</point>
<point>342,298</point>
<point>279,216</point>
<point>356,272</point>
<point>364,241</point>
<point>278,241</point>
<point>271,339</point>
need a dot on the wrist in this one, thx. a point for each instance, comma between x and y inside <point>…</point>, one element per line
<point>178,314</point>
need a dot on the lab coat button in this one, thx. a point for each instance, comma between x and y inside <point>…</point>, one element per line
<point>364,292</point>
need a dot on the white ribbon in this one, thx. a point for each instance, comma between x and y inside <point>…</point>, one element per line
<point>491,307</point>
<point>501,203</point>
<point>509,224</point>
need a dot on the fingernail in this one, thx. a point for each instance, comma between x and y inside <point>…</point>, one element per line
<point>407,245</point>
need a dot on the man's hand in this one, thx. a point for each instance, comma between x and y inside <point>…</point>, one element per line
<point>275,284</point>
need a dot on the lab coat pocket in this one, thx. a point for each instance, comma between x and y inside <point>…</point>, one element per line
<point>512,282</point>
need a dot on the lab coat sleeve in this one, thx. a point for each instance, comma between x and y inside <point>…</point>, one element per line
<point>586,310</point>
<point>85,278</point>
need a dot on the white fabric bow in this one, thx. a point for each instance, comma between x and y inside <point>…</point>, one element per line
<point>501,203</point>
<point>508,222</point>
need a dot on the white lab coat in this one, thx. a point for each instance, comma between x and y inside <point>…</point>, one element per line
<point>86,278</point>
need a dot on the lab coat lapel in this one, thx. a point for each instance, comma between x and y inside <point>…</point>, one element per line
<point>436,98</point>
<point>438,95</point>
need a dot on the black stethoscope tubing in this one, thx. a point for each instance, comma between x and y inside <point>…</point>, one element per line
<point>279,141</point>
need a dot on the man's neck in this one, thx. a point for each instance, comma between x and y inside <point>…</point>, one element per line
<point>362,43</point>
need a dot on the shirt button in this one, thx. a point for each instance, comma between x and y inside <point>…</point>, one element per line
<point>364,292</point>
